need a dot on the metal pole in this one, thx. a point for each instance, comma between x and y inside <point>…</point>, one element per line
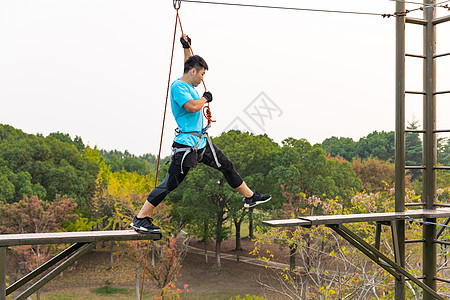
<point>429,146</point>
<point>2,273</point>
<point>400,142</point>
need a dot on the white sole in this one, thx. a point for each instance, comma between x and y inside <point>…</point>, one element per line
<point>144,229</point>
<point>257,203</point>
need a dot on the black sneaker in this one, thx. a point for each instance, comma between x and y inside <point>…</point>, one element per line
<point>256,199</point>
<point>144,225</point>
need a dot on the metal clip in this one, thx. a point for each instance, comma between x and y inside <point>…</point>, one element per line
<point>176,4</point>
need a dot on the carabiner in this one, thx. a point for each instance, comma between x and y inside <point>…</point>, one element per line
<point>176,4</point>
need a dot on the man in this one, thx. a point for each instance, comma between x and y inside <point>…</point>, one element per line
<point>191,144</point>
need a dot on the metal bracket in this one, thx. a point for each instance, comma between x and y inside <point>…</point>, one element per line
<point>381,259</point>
<point>71,254</point>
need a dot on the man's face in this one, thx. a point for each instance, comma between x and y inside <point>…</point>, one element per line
<point>198,76</point>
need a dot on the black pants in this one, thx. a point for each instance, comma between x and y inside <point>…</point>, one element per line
<point>174,176</point>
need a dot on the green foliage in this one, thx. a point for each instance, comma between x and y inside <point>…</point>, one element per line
<point>143,165</point>
<point>376,144</point>
<point>81,224</point>
<point>205,200</point>
<point>345,147</point>
<point>44,166</point>
<point>300,167</point>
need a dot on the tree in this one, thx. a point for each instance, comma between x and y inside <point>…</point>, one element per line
<point>252,157</point>
<point>302,168</point>
<point>375,174</point>
<point>345,147</point>
<point>32,215</point>
<point>413,150</point>
<point>45,166</point>
<point>164,270</point>
<point>119,195</point>
<point>376,144</point>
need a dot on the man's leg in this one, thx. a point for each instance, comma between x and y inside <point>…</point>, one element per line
<point>233,178</point>
<point>244,190</point>
<point>146,210</point>
<point>142,222</point>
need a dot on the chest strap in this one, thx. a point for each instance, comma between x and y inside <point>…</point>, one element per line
<point>188,150</point>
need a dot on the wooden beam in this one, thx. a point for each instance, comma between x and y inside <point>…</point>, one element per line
<point>74,237</point>
<point>358,218</point>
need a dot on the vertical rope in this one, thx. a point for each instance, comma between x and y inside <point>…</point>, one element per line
<point>206,110</point>
<point>160,144</point>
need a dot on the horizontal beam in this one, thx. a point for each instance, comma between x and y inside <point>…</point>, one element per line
<point>423,130</point>
<point>74,237</point>
<point>416,21</point>
<point>441,55</point>
<point>441,20</point>
<point>415,55</point>
<point>415,167</point>
<point>414,241</point>
<point>359,218</point>
<point>415,92</point>
<point>442,242</point>
<point>441,168</point>
<point>441,92</point>
<point>415,204</point>
<point>442,279</point>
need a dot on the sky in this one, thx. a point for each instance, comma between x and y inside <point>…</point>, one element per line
<point>99,69</point>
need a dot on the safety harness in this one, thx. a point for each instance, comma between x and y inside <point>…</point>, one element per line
<point>188,150</point>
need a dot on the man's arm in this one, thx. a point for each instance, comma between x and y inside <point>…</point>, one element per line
<point>187,50</point>
<point>187,54</point>
<point>193,106</point>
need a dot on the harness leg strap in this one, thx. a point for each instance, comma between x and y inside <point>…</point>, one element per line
<point>211,145</point>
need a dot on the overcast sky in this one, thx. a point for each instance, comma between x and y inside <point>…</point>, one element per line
<point>99,69</point>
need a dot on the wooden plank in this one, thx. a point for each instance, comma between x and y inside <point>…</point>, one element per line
<point>357,218</point>
<point>74,237</point>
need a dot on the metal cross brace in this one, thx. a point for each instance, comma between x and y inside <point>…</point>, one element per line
<point>381,259</point>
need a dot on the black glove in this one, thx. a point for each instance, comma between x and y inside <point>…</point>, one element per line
<point>184,43</point>
<point>208,96</point>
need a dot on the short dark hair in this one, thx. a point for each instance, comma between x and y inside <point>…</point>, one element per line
<point>196,62</point>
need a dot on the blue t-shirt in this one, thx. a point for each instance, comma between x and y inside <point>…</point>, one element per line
<point>180,93</point>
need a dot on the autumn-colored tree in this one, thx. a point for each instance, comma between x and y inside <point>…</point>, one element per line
<point>374,173</point>
<point>162,267</point>
<point>32,215</point>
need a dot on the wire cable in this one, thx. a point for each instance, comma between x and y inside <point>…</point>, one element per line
<point>289,8</point>
<point>327,10</point>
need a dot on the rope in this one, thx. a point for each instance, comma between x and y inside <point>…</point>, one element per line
<point>207,113</point>
<point>206,110</point>
<point>160,143</point>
